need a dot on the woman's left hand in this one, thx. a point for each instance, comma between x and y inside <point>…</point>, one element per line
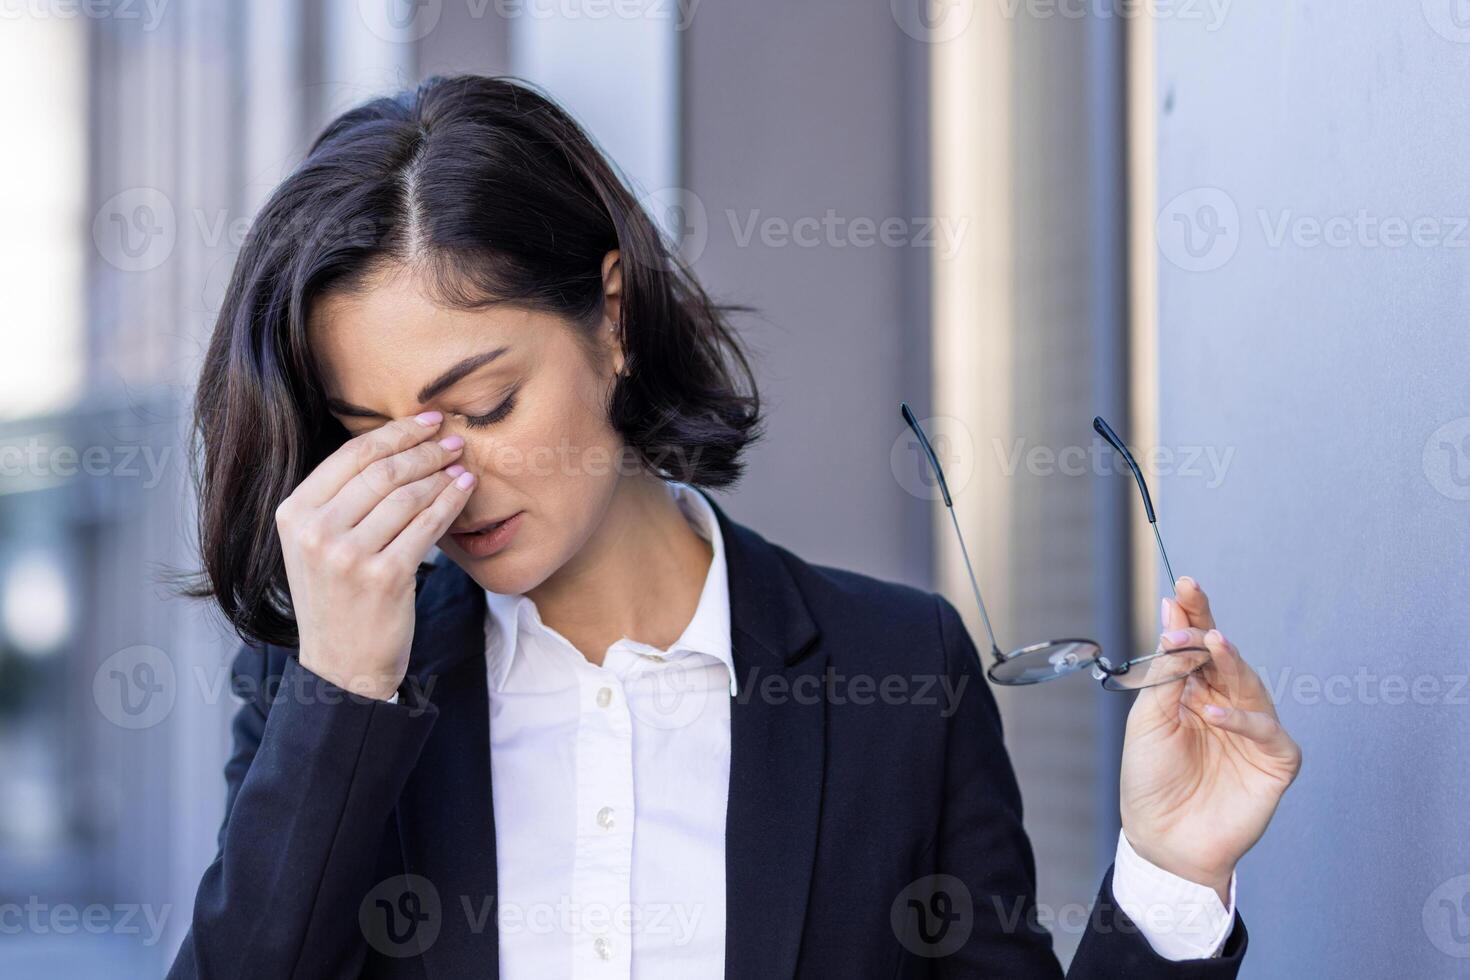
<point>1205,762</point>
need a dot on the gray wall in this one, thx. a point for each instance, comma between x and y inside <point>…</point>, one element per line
<point>1335,547</point>
<point>790,110</point>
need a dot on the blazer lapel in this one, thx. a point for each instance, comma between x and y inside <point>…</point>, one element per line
<point>446,820</point>
<point>777,755</point>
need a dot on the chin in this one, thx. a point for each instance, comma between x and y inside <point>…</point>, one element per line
<point>508,573</point>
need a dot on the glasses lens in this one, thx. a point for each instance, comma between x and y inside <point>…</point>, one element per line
<point>1044,661</point>
<point>1151,670</point>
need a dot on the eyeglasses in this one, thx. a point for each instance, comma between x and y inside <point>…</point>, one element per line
<point>1051,659</point>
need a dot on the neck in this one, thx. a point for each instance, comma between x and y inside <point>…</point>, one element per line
<point>639,575</point>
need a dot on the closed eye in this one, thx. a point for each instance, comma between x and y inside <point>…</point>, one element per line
<point>497,414</point>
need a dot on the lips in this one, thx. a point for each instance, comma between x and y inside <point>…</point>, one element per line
<point>480,528</point>
<point>485,539</point>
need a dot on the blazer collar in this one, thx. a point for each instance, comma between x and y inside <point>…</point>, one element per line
<point>777,757</point>
<point>766,608</point>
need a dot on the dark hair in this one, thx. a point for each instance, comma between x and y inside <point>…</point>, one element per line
<point>492,193</point>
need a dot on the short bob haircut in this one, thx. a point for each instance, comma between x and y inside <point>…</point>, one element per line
<point>492,193</point>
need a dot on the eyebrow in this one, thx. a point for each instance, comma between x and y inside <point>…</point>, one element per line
<point>446,380</point>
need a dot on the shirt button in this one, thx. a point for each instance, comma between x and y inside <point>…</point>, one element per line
<point>602,948</point>
<point>604,697</point>
<point>605,818</point>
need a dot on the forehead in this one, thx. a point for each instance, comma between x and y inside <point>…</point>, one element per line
<point>391,335</point>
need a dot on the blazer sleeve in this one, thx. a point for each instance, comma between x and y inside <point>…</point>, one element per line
<point>311,786</point>
<point>981,842</point>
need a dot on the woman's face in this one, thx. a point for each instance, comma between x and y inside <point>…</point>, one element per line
<point>527,392</point>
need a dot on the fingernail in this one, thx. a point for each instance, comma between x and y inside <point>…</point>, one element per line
<point>1185,580</point>
<point>429,418</point>
<point>1215,636</point>
<point>1164,613</point>
<point>1215,711</point>
<point>1176,636</point>
<point>465,480</point>
<point>452,443</point>
<point>455,470</point>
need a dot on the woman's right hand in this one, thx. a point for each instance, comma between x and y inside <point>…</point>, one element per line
<point>353,535</point>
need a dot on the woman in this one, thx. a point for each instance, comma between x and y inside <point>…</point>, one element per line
<point>608,732</point>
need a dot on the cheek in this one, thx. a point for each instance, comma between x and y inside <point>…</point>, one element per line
<point>549,449</point>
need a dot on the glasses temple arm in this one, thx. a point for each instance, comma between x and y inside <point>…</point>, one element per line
<point>975,586</point>
<point>913,423</point>
<point>1106,431</point>
<point>1164,555</point>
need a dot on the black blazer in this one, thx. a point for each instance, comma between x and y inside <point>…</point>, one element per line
<point>359,838</point>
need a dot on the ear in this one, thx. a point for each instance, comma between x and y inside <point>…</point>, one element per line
<point>612,308</point>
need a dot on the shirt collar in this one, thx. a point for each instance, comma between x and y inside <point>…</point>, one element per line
<point>707,633</point>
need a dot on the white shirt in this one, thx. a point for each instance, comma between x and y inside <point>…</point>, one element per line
<point>610,790</point>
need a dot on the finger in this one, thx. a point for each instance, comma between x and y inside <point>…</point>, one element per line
<point>1172,616</point>
<point>1195,603</point>
<point>1228,672</point>
<point>431,523</point>
<point>359,452</point>
<point>1257,726</point>
<point>1188,650</point>
<point>382,478</point>
<point>394,511</point>
<point>1176,638</point>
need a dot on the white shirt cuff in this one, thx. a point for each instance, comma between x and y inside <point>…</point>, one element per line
<point>394,698</point>
<point>1181,919</point>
